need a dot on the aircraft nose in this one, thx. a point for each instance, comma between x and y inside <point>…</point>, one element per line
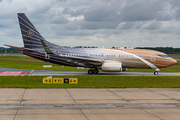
<point>172,61</point>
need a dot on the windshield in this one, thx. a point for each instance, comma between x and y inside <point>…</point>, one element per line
<point>164,56</point>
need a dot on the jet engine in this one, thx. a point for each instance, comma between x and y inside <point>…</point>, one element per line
<point>111,66</point>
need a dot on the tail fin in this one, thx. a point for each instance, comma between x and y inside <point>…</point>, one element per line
<point>31,37</point>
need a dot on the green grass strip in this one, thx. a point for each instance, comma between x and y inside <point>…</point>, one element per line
<point>94,82</point>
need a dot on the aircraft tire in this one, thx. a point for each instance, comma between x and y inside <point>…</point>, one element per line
<point>96,71</point>
<point>155,73</point>
<point>90,72</point>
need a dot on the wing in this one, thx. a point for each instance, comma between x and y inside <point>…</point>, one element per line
<point>79,60</point>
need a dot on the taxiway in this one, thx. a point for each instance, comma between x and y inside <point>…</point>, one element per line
<point>60,73</point>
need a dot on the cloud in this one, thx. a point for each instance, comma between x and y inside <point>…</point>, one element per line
<point>58,20</point>
<point>97,22</point>
<point>140,10</point>
<point>152,25</point>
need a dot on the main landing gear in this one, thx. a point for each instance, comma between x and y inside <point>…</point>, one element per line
<point>155,73</point>
<point>93,71</point>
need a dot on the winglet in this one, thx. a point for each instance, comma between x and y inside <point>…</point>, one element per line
<point>46,48</point>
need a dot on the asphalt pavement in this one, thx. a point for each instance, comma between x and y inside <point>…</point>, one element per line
<point>60,73</point>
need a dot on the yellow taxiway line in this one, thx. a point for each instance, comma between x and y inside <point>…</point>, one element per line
<point>31,72</point>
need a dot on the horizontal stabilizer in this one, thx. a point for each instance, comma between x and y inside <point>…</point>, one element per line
<point>24,49</point>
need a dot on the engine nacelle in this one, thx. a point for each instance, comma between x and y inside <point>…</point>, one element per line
<point>111,66</point>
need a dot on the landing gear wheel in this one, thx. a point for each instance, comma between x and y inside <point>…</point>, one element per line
<point>155,73</point>
<point>96,71</point>
<point>90,72</point>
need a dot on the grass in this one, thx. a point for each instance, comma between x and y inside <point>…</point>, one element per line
<point>175,56</point>
<point>25,62</point>
<point>94,82</point>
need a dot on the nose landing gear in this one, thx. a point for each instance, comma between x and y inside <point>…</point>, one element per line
<point>93,71</point>
<point>155,73</point>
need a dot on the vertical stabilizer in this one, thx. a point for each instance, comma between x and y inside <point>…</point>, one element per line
<point>31,37</point>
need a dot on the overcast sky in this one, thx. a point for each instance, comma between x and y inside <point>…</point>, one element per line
<point>119,23</point>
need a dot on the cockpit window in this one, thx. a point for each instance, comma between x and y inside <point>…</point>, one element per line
<point>164,56</point>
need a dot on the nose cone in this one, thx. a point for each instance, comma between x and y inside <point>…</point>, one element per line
<point>172,61</point>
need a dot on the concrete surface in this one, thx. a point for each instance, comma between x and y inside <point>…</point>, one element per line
<point>90,104</point>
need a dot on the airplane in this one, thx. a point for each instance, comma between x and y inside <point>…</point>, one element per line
<point>105,59</point>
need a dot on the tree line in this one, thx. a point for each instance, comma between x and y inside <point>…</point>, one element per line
<point>9,50</point>
<point>167,50</point>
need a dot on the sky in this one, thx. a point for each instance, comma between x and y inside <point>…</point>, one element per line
<point>101,23</point>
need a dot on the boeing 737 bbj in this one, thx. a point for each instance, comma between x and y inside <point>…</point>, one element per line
<point>106,59</point>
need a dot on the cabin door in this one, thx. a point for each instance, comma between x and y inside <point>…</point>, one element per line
<point>153,57</point>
